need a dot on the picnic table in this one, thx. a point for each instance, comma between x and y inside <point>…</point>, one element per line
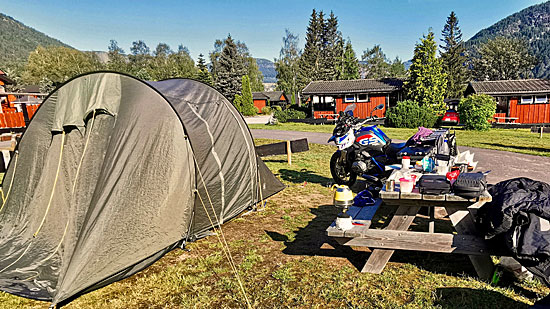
<point>507,119</point>
<point>395,235</point>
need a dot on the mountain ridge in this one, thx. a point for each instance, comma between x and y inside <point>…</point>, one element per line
<point>532,25</point>
<point>18,40</point>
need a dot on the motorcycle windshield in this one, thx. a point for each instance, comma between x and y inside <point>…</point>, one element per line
<point>349,109</point>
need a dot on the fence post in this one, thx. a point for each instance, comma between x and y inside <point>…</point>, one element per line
<point>288,153</point>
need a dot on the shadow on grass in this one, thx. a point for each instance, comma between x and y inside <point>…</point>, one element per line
<point>304,175</point>
<point>540,149</point>
<point>309,241</point>
<point>472,298</point>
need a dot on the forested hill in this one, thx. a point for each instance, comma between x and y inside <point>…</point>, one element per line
<point>531,25</point>
<point>18,40</point>
<point>267,67</point>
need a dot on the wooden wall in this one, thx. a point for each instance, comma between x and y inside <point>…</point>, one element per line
<point>529,113</point>
<point>363,109</point>
<point>259,104</point>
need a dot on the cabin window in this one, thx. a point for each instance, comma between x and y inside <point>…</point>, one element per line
<point>541,99</point>
<point>349,98</point>
<point>526,99</point>
<point>363,97</point>
<point>315,99</point>
<point>329,99</point>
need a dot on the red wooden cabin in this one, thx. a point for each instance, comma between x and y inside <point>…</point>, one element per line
<point>518,101</point>
<point>328,98</point>
<point>17,109</point>
<point>269,98</point>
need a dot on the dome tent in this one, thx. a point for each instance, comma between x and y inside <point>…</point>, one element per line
<point>113,173</point>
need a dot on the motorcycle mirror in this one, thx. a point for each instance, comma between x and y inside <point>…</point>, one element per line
<point>341,113</point>
<point>378,107</point>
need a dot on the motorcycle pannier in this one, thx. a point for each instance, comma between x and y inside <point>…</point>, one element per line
<point>434,184</point>
<point>470,185</point>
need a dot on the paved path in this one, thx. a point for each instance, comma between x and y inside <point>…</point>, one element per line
<point>502,164</point>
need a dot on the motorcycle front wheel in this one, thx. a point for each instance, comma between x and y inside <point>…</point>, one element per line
<point>340,173</point>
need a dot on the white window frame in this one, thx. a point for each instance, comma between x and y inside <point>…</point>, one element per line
<point>365,100</point>
<point>527,99</point>
<point>316,99</point>
<point>541,99</point>
<point>349,98</point>
<point>329,99</point>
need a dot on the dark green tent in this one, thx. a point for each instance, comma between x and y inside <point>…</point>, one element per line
<point>112,173</point>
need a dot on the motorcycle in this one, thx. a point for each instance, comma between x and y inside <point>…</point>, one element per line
<point>363,149</point>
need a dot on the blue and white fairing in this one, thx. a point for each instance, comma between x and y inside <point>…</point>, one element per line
<point>371,136</point>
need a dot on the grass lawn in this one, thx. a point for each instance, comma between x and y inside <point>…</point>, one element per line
<point>286,261</point>
<point>515,140</point>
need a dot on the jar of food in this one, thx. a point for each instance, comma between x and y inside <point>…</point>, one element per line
<point>406,162</point>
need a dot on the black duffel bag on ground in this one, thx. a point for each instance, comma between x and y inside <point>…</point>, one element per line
<point>470,185</point>
<point>434,184</point>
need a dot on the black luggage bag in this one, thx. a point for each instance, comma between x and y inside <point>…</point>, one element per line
<point>470,185</point>
<point>416,153</point>
<point>434,184</point>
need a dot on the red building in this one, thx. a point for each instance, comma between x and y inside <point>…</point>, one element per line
<point>269,98</point>
<point>328,98</point>
<point>518,101</point>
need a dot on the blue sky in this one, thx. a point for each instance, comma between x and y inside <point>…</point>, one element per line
<point>395,25</point>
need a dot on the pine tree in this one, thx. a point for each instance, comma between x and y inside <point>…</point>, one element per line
<point>230,70</point>
<point>377,65</point>
<point>427,83</point>
<point>309,65</point>
<point>202,73</point>
<point>287,66</point>
<point>247,107</point>
<point>397,68</point>
<point>350,66</point>
<point>454,58</point>
<point>332,49</point>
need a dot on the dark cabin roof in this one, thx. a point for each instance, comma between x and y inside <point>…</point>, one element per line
<point>510,87</point>
<point>272,96</point>
<point>383,85</point>
<point>4,78</point>
<point>259,96</point>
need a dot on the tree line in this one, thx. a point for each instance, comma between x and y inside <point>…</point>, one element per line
<point>430,78</point>
<point>326,55</point>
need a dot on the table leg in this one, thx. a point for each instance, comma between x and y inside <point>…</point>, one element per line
<point>401,220</point>
<point>431,224</point>
<point>464,224</point>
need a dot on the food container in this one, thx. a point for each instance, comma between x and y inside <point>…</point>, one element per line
<point>418,166</point>
<point>390,185</point>
<point>406,162</point>
<point>406,185</point>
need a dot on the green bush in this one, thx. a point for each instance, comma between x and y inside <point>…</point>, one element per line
<point>284,116</point>
<point>277,108</point>
<point>266,110</point>
<point>476,110</point>
<point>408,114</point>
